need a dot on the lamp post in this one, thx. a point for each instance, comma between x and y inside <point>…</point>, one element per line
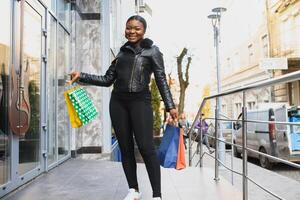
<point>220,146</point>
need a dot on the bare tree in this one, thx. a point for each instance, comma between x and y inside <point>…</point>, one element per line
<point>183,80</point>
<point>170,85</point>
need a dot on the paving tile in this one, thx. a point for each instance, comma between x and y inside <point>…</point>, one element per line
<point>104,180</point>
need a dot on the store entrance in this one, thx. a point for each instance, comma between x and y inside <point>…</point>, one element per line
<point>34,57</point>
<point>28,90</point>
<point>22,96</point>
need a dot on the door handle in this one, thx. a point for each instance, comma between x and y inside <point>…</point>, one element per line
<point>44,127</point>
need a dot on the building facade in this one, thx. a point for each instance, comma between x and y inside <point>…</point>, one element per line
<point>284,17</point>
<point>271,32</point>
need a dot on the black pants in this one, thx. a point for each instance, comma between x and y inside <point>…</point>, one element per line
<point>133,115</point>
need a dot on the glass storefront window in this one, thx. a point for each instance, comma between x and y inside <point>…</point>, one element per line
<point>50,4</point>
<point>63,128</point>
<point>51,91</point>
<point>29,144</point>
<point>63,12</point>
<point>25,80</point>
<point>5,50</point>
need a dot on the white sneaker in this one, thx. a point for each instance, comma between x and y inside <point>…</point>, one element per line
<point>156,198</point>
<point>133,195</point>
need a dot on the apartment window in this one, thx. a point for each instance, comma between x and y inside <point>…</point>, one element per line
<point>297,30</point>
<point>250,53</point>
<point>139,6</point>
<point>285,32</point>
<point>224,109</point>
<point>265,46</point>
<point>251,105</point>
<point>238,109</point>
<point>294,91</point>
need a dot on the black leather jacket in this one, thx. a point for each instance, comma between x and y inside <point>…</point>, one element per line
<point>131,70</point>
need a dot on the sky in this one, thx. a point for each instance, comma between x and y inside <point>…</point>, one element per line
<point>176,25</point>
<point>179,24</point>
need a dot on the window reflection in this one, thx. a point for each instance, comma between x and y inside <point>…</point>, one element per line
<point>29,145</point>
<point>51,91</point>
<point>5,165</point>
<point>50,4</point>
<point>62,118</point>
<point>63,12</point>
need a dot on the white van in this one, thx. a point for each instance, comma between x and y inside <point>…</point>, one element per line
<point>278,140</point>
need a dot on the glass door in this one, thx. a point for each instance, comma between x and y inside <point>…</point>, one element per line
<point>63,125</point>
<point>58,40</point>
<point>5,64</point>
<point>51,92</point>
<point>29,82</point>
<point>34,126</point>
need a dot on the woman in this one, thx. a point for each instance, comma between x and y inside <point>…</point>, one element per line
<point>202,125</point>
<point>130,104</point>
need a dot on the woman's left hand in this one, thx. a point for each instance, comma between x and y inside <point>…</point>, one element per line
<point>75,75</point>
<point>174,113</point>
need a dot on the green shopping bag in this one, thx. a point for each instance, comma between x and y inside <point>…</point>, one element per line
<point>84,108</point>
<point>73,116</point>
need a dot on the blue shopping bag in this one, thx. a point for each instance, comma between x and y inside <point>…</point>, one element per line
<point>116,152</point>
<point>168,149</point>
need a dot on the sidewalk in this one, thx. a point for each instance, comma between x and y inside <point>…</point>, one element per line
<point>104,180</point>
<point>282,186</point>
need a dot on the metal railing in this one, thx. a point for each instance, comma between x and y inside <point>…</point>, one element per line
<point>278,80</point>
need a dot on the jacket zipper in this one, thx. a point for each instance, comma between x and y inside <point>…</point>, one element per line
<point>131,80</point>
<point>134,65</point>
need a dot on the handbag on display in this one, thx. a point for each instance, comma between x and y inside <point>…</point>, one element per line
<point>81,108</point>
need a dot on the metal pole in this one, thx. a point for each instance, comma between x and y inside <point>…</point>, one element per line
<point>190,147</point>
<point>244,137</point>
<point>216,141</point>
<point>232,131</point>
<point>200,143</point>
<point>221,150</point>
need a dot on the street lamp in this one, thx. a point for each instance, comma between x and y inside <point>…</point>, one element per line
<point>216,20</point>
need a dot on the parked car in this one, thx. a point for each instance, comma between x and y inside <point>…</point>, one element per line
<point>278,140</point>
<point>227,131</point>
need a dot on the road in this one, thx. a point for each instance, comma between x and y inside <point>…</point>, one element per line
<point>288,171</point>
<point>288,177</point>
<point>282,169</point>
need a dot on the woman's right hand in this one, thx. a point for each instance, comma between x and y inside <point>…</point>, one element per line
<point>75,75</point>
<point>174,114</point>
